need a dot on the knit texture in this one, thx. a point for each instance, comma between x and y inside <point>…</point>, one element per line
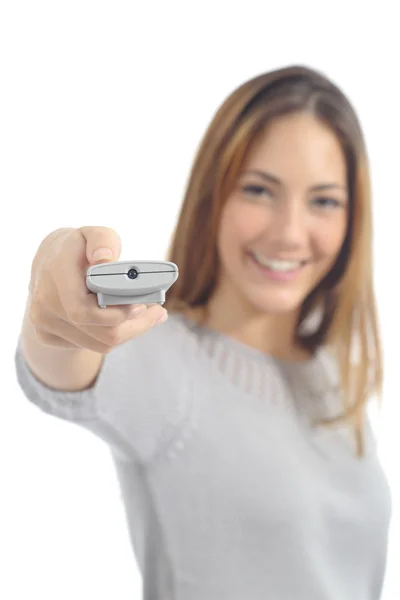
<point>230,492</point>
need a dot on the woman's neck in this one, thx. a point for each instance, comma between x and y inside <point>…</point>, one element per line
<point>252,333</point>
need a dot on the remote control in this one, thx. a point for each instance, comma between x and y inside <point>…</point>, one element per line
<point>131,282</point>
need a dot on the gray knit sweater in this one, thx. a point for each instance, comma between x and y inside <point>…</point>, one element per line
<point>230,493</point>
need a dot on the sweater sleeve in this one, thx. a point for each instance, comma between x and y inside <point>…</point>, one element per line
<point>138,402</point>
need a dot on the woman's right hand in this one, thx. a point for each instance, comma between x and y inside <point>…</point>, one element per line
<point>63,312</point>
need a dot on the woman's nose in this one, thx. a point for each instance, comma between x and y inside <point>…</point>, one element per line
<point>289,221</point>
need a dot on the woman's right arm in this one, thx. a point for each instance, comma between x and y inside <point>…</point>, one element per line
<point>65,334</point>
<point>93,366</point>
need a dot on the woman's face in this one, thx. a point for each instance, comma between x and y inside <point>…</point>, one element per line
<point>274,214</point>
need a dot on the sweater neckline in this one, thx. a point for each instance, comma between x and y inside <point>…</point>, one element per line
<point>312,383</point>
<point>218,337</point>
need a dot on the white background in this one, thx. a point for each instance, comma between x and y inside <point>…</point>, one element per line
<point>102,106</point>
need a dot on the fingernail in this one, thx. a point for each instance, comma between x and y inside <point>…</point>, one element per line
<point>102,253</point>
<point>138,310</point>
<point>161,319</point>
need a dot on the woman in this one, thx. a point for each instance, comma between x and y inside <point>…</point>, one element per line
<point>239,427</point>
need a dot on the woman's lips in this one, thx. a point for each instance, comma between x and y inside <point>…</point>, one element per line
<point>276,275</point>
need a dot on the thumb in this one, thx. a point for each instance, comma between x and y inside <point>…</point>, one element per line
<point>103,244</point>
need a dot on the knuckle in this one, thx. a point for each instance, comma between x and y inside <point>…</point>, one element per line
<point>33,314</point>
<point>36,313</point>
<point>116,319</point>
<point>113,336</point>
<point>107,231</point>
<point>42,336</point>
<point>101,232</point>
<point>76,314</point>
<point>107,349</point>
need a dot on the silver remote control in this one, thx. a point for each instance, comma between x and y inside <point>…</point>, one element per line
<point>131,281</point>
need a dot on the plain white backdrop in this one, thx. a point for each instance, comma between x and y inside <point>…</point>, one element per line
<point>102,107</point>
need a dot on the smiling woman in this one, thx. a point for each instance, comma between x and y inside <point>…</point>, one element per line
<point>231,488</point>
<point>282,174</point>
<point>285,221</point>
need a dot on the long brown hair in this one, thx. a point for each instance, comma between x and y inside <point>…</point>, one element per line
<point>346,294</point>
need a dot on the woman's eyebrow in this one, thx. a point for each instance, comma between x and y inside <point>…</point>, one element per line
<point>273,179</point>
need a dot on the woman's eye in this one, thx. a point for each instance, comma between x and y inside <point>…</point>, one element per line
<point>324,202</point>
<point>256,190</point>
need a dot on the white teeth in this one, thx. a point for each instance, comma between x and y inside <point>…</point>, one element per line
<point>277,265</point>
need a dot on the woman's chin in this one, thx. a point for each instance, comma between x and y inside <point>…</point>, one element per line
<point>277,303</point>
